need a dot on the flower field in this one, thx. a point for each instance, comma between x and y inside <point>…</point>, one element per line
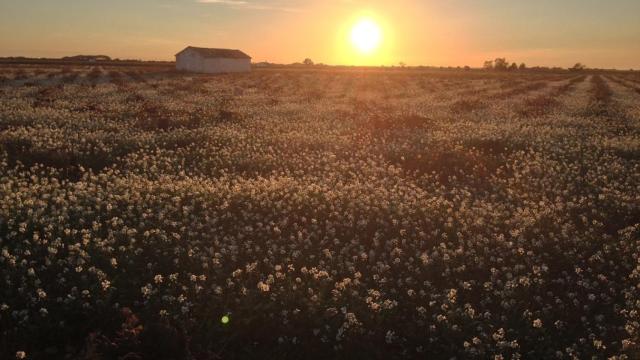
<point>349,214</point>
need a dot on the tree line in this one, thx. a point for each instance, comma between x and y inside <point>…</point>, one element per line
<point>501,64</point>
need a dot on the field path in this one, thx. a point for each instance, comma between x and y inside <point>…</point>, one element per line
<point>579,97</point>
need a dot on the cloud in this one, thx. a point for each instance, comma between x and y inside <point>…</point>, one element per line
<point>241,4</point>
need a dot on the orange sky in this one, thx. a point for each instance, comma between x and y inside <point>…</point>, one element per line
<point>416,32</point>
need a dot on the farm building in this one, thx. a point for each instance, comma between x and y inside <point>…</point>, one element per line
<point>206,60</point>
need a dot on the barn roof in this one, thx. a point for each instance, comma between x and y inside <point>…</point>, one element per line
<point>217,53</point>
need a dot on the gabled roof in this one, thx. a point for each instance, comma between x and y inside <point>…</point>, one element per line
<point>217,53</point>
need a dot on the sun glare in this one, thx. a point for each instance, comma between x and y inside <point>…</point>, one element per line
<point>366,36</point>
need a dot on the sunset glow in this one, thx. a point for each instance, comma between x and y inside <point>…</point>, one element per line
<point>354,32</point>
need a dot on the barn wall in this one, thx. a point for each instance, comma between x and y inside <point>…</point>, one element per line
<point>226,65</point>
<point>191,61</point>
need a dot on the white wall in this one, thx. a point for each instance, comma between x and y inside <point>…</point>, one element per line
<point>188,61</point>
<point>226,65</point>
<point>191,61</point>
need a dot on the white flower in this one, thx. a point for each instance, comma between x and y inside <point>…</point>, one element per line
<point>105,284</point>
<point>537,323</point>
<point>390,336</point>
<point>146,290</point>
<point>41,294</point>
<point>263,287</point>
<point>598,344</point>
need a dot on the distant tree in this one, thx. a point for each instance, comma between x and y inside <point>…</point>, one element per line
<point>402,64</point>
<point>500,64</point>
<point>523,66</point>
<point>488,65</point>
<point>513,67</point>
<point>308,62</point>
<point>578,67</point>
<point>467,68</point>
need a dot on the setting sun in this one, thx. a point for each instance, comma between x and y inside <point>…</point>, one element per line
<point>366,36</point>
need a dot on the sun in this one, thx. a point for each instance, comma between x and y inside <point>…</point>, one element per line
<point>366,36</point>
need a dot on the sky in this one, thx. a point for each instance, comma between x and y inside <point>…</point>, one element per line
<point>598,33</point>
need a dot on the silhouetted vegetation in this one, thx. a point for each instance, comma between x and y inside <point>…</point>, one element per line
<point>577,67</point>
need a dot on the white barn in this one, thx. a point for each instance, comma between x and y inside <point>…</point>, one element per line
<point>206,60</point>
